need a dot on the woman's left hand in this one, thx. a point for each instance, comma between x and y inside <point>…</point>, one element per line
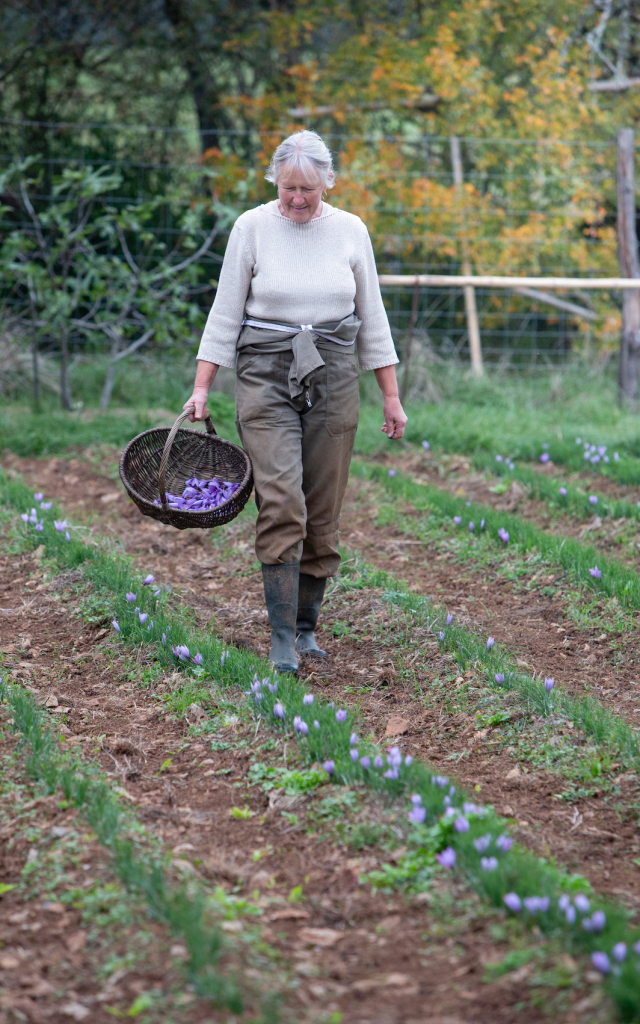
<point>395,418</point>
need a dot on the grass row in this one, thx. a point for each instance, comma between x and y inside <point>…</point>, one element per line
<point>446,823</point>
<point>572,555</point>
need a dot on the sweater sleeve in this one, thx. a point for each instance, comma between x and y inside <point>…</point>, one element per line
<point>219,340</point>
<point>374,341</point>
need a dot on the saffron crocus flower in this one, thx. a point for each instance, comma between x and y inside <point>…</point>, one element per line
<point>378,762</point>
<point>513,902</point>
<point>278,711</point>
<point>40,526</point>
<point>354,754</point>
<point>570,915</point>
<point>148,580</point>
<point>601,962</point>
<point>394,757</point>
<point>391,773</point>
<point>457,520</point>
<point>130,597</point>
<point>308,698</point>
<point>365,762</point>
<point>116,626</point>
<point>616,457</point>
<point>197,660</point>
<point>316,723</point>
<point>490,642</point>
<point>67,537</point>
<point>619,951</point>
<point>449,619</point>
<point>392,472</point>
<point>564,902</point>
<point>426,446</point>
<point>447,858</point>
<point>598,920</point>
<point>472,526</point>
<point>504,843</point>
<point>483,842</point>
<point>353,739</point>
<point>46,505</point>
<point>544,457</point>
<point>488,863</point>
<point>272,686</point>
<point>329,767</point>
<point>441,635</point>
<point>461,825</point>
<point>548,684</point>
<point>60,525</point>
<point>482,524</point>
<point>416,799</point>
<point>582,903</point>
<point>534,904</point>
<point>25,517</point>
<point>157,593</point>
<point>39,496</point>
<point>499,678</point>
<point>563,492</point>
<point>498,458</point>
<point>595,572</point>
<point>341,716</point>
<point>408,761</point>
<point>417,815</point>
<point>593,499</point>
<point>503,535</point>
<point>164,639</point>
<point>143,616</point>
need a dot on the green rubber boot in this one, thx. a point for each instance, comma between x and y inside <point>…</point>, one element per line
<point>281,599</point>
<point>310,594</point>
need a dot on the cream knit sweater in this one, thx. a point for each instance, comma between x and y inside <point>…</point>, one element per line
<point>275,269</point>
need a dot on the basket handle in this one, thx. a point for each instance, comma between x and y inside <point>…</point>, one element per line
<point>164,461</point>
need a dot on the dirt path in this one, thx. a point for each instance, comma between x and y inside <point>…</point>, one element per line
<point>219,581</point>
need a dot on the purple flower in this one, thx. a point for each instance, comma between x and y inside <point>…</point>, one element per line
<point>619,951</point>
<point>441,635</point>
<point>365,762</point>
<point>544,457</point>
<point>536,903</point>
<point>416,799</point>
<point>598,921</point>
<point>25,517</point>
<point>449,619</point>
<point>564,901</point>
<point>39,496</point>
<point>498,458</point>
<point>157,593</point>
<point>503,535</point>
<point>482,524</point>
<point>354,754</point>
<point>504,843</point>
<point>164,639</point>
<point>601,962</point>
<point>461,825</point>
<point>378,762</point>
<point>472,526</point>
<point>130,597</point>
<point>447,858</point>
<point>392,472</point>
<point>417,815</point>
<point>273,687</point>
<point>316,723</point>
<point>595,572</point>
<point>394,757</point>
<point>278,710</point>
<point>143,616</point>
<point>391,773</point>
<point>593,499</point>
<point>408,761</point>
<point>490,642</point>
<point>563,492</point>
<point>570,915</point>
<point>548,684</point>
<point>300,726</point>
<point>483,842</point>
<point>197,660</point>
<point>499,678</point>
<point>426,446</point>
<point>148,580</point>
<point>40,526</point>
<point>471,808</point>
<point>513,902</point>
<point>329,767</point>
<point>488,863</point>
<point>457,520</point>
<point>308,698</point>
<point>46,505</point>
<point>60,525</point>
<point>116,626</point>
<point>341,716</point>
<point>602,449</point>
<point>582,903</point>
<point>67,537</point>
<point>181,652</point>
<point>637,948</point>
<point>353,739</point>
<point>616,457</point>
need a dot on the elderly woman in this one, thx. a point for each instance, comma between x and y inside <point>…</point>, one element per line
<point>298,296</point>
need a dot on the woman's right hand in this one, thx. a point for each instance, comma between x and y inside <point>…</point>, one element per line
<point>199,399</point>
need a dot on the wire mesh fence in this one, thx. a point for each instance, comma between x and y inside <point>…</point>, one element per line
<point>537,207</point>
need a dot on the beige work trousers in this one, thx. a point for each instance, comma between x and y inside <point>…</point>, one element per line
<point>300,455</point>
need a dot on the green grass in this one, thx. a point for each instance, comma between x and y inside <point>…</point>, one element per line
<point>517,871</point>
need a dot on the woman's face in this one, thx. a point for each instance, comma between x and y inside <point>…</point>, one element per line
<point>300,199</point>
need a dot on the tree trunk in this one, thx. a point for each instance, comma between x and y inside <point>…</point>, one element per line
<point>65,391</point>
<point>628,260</point>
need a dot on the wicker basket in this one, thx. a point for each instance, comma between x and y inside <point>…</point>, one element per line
<point>163,459</point>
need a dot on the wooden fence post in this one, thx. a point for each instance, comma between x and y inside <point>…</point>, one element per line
<point>628,261</point>
<point>409,344</point>
<point>473,326</point>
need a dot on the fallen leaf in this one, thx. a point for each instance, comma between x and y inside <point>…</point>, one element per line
<point>76,942</point>
<point>75,1010</point>
<point>290,914</point>
<point>396,726</point>
<point>320,936</point>
<point>110,496</point>
<point>9,963</point>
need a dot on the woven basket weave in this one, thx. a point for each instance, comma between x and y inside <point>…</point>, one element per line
<point>164,458</point>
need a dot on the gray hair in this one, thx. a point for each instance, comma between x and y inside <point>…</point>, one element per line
<point>304,151</point>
